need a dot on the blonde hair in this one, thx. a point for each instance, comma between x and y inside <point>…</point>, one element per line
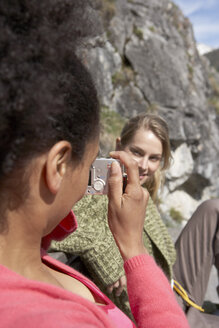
<point>158,126</point>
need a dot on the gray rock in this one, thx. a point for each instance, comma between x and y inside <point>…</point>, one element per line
<point>103,62</point>
<point>147,60</point>
<point>179,205</point>
<point>129,99</point>
<point>181,168</point>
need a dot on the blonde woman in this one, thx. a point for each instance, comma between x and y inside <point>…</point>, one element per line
<point>146,138</point>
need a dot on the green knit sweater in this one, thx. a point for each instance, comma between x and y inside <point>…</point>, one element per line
<point>94,242</point>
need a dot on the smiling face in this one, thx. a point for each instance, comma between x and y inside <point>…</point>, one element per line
<point>145,148</point>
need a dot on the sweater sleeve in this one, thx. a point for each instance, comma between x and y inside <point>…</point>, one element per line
<point>93,241</point>
<point>152,300</point>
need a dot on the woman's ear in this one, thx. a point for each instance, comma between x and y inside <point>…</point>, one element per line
<point>57,161</point>
<point>118,143</point>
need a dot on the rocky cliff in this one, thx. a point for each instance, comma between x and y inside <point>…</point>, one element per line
<point>213,57</point>
<point>146,59</point>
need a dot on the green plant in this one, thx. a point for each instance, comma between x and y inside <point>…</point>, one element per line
<point>191,71</point>
<point>138,32</point>
<point>153,108</point>
<point>168,224</point>
<point>152,28</point>
<point>214,84</point>
<point>118,78</point>
<point>107,10</point>
<point>176,215</point>
<point>214,101</point>
<point>108,34</point>
<point>111,126</point>
<point>111,121</point>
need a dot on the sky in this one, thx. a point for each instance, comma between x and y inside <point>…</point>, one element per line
<point>204,16</point>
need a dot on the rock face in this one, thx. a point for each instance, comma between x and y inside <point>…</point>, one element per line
<point>146,60</point>
<point>213,58</point>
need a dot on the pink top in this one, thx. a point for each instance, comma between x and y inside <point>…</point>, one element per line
<point>114,313</point>
<point>28,303</point>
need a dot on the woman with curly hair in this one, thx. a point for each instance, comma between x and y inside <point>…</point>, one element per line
<point>49,132</point>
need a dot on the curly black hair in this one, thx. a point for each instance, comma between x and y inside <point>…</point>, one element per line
<point>46,93</point>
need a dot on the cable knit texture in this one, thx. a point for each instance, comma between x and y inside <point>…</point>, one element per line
<point>94,242</point>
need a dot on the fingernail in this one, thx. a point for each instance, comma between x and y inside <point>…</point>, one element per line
<point>114,168</point>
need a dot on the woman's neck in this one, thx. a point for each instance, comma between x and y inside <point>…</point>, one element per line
<point>20,245</point>
<point>19,255</point>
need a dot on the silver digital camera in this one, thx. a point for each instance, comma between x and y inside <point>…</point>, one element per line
<point>98,177</point>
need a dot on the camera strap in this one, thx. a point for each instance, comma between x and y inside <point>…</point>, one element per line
<point>181,291</point>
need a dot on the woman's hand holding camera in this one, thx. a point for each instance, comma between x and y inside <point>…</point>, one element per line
<point>126,211</point>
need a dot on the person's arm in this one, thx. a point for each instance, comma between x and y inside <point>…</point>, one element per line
<point>151,298</point>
